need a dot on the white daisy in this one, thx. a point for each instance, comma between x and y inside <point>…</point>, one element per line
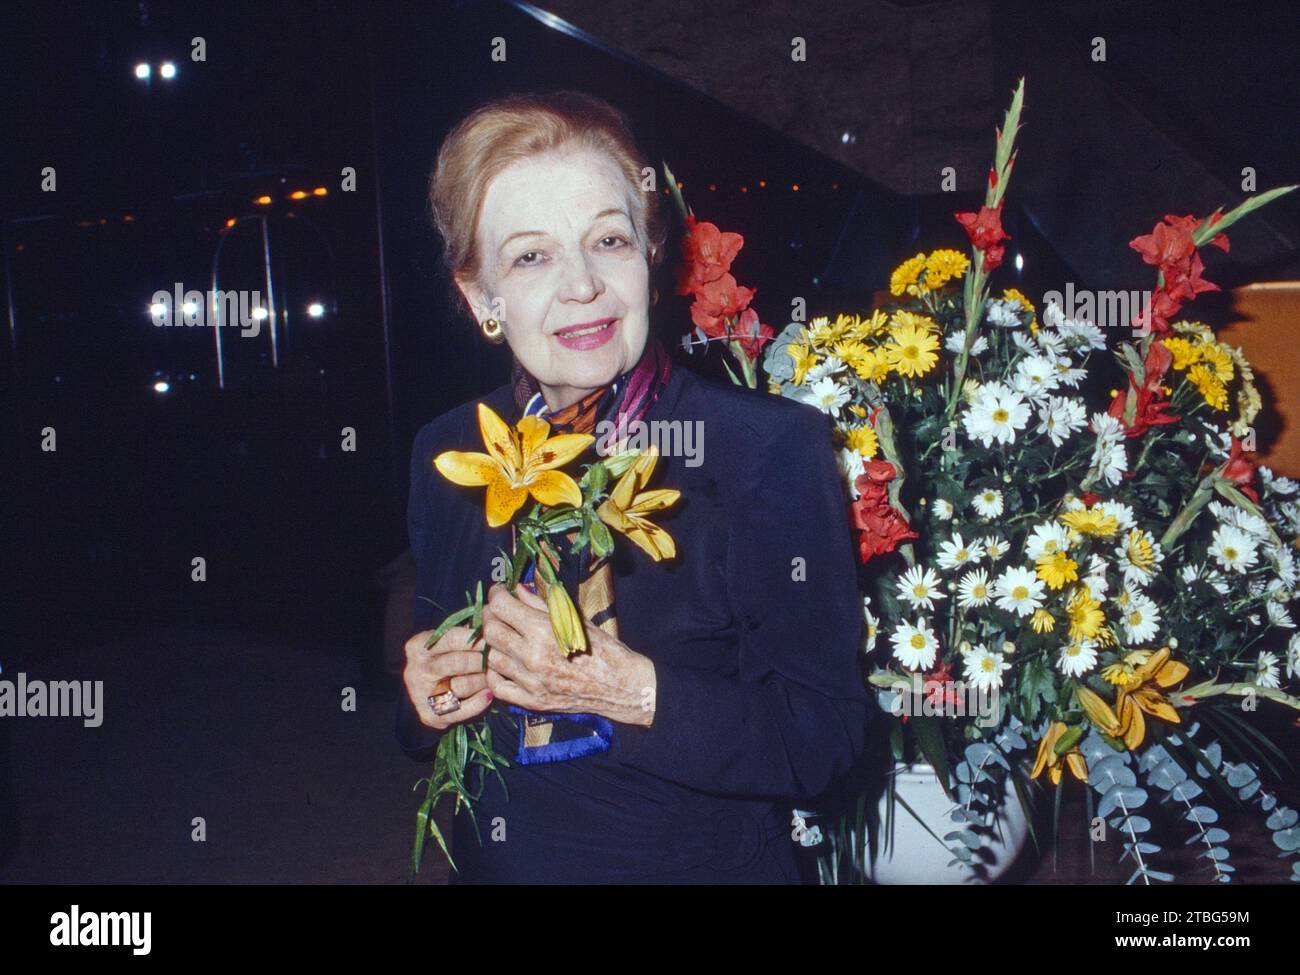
<point>1141,619</point>
<point>994,547</point>
<point>956,553</point>
<point>873,624</point>
<point>1019,591</point>
<point>827,368</point>
<point>1120,511</point>
<point>1004,314</point>
<point>1230,514</point>
<point>852,466</point>
<point>1138,555</point>
<point>1061,416</point>
<point>1278,615</point>
<point>1077,658</point>
<point>973,589</point>
<point>997,413</point>
<point>1108,456</point>
<point>954,342</point>
<point>988,503</point>
<point>1266,670</point>
<point>1095,579</point>
<point>1081,334</point>
<point>1234,549</point>
<point>825,394</point>
<point>919,586</point>
<point>1035,377</point>
<point>984,669</point>
<point>943,509</point>
<point>915,647</point>
<point>1047,539</point>
<point>1293,656</point>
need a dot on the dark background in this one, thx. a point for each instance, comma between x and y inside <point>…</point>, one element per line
<point>100,533</point>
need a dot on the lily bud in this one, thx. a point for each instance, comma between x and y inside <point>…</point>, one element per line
<point>565,621</point>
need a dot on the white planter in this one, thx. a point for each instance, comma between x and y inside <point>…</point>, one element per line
<point>916,857</point>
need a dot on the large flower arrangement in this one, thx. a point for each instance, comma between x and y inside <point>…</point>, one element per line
<point>1115,582</point>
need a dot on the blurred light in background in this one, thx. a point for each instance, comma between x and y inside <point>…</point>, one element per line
<point>167,70</point>
<point>315,309</point>
<point>142,71</point>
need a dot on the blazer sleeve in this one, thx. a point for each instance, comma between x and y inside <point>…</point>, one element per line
<point>796,715</point>
<point>417,739</point>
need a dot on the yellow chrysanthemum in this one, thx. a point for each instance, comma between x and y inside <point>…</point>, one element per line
<point>943,266</point>
<point>908,319</point>
<point>1011,294</point>
<point>1219,359</point>
<point>1208,385</point>
<point>803,361</point>
<point>1184,352</point>
<point>819,331</point>
<point>1056,569</point>
<point>1042,621</point>
<point>857,410</point>
<point>911,351</point>
<point>1091,521</point>
<point>863,439</point>
<point>1085,615</point>
<point>876,325</point>
<point>906,275</point>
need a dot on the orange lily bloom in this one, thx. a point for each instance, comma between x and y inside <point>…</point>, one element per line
<point>1057,764</point>
<point>518,463</point>
<point>627,505</point>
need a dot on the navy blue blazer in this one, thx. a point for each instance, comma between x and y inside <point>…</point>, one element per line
<point>755,631</point>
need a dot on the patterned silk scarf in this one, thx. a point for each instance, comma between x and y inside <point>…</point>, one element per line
<point>556,737</point>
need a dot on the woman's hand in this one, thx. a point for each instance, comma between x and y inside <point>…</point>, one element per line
<point>528,669</point>
<point>450,657</point>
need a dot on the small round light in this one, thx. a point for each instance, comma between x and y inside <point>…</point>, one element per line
<point>315,309</point>
<point>158,309</point>
<point>162,386</point>
<point>168,70</point>
<point>1020,262</point>
<point>190,307</point>
<point>259,313</point>
<point>142,71</point>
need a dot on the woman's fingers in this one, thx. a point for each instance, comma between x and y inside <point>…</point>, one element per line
<point>438,666</point>
<point>466,685</point>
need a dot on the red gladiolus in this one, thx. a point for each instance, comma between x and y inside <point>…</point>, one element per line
<point>880,527</point>
<point>1151,402</point>
<point>1170,248</point>
<point>718,300</point>
<point>708,252</point>
<point>1240,470</point>
<point>939,689</point>
<point>985,232</point>
<point>751,333</point>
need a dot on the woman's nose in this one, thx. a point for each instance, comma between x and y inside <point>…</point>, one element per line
<point>580,282</point>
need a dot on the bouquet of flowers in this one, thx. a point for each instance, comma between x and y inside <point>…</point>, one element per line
<point>1114,583</point>
<point>567,516</point>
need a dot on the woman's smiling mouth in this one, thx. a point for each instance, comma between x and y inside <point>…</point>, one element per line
<point>589,336</point>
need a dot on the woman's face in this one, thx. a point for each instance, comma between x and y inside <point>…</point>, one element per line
<point>559,254</point>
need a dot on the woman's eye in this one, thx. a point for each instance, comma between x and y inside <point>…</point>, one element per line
<point>521,262</point>
<point>620,241</point>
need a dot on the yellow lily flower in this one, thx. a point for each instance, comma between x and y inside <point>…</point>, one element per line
<point>1144,696</point>
<point>627,505</point>
<point>1056,764</point>
<point>518,463</point>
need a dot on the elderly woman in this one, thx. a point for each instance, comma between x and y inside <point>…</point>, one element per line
<point>732,691</point>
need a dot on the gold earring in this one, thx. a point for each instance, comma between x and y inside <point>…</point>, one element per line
<point>492,331</point>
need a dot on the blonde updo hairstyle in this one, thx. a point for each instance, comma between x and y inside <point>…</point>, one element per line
<point>515,127</point>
